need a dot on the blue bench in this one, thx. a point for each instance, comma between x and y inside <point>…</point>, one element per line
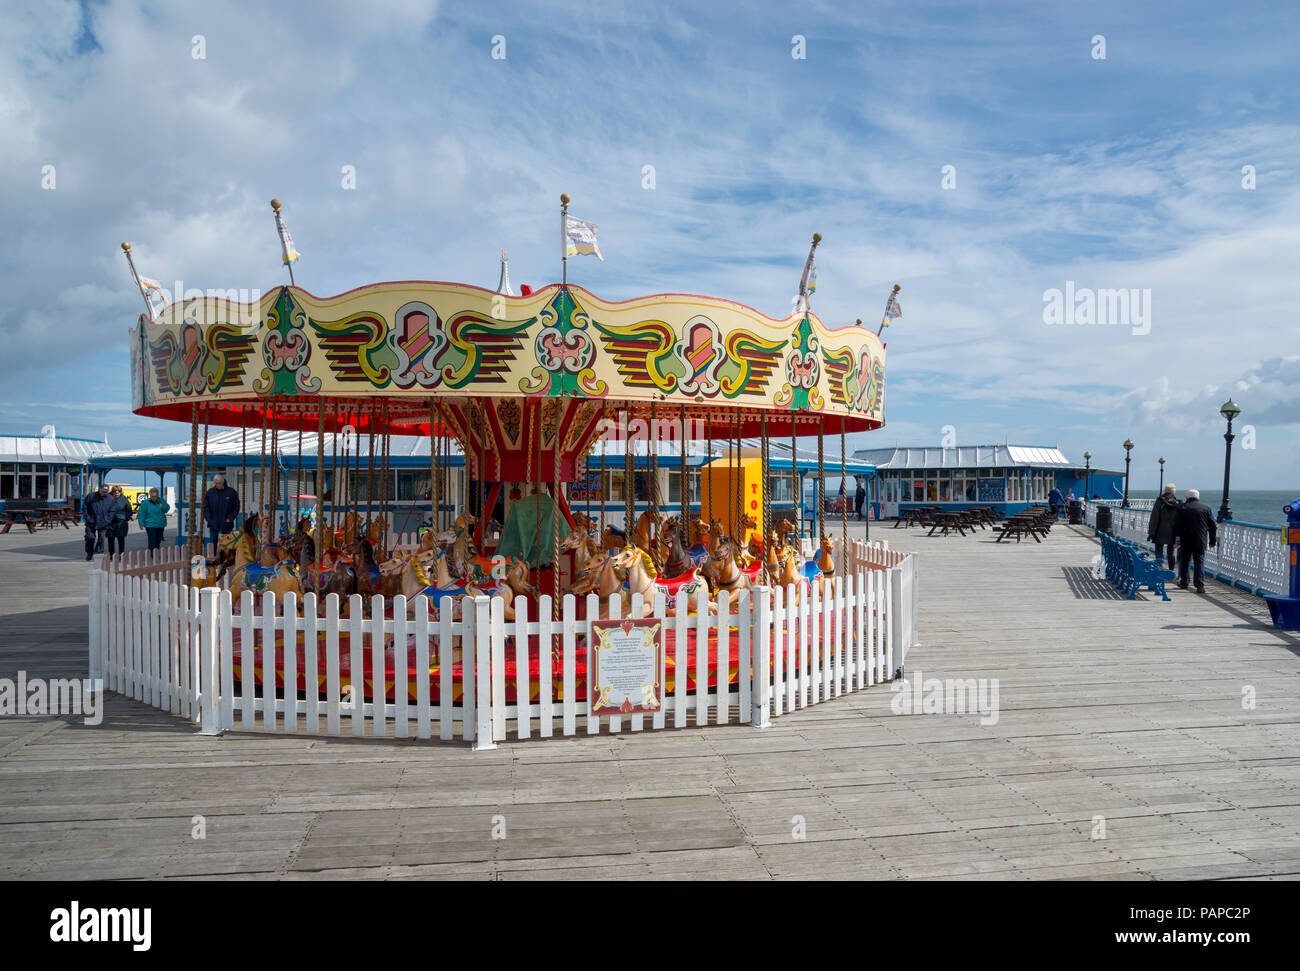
<point>1129,569</point>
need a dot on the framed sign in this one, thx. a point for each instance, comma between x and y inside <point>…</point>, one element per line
<point>626,658</point>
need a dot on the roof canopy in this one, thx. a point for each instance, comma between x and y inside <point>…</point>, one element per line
<point>969,457</point>
<point>48,449</point>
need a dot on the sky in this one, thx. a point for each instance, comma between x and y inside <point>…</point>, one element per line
<point>981,156</point>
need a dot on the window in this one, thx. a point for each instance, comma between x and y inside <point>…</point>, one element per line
<point>412,485</point>
<point>945,486</point>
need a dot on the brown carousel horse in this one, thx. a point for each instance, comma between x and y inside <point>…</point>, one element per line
<point>675,558</point>
<point>265,573</point>
<point>726,572</point>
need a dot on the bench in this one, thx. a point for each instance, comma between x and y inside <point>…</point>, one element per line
<point>1129,568</point>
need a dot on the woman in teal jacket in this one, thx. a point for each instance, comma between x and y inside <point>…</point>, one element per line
<point>153,518</point>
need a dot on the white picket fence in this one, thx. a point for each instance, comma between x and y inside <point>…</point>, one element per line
<point>1253,558</point>
<point>768,652</point>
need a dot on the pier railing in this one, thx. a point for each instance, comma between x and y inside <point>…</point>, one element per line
<point>1247,555</point>
<point>396,669</point>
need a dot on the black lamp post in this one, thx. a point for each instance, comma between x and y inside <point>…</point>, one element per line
<point>1162,475</point>
<point>1128,449</point>
<point>1228,411</point>
<point>1087,471</point>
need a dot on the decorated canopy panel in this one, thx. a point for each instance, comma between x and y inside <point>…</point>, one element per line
<point>406,343</point>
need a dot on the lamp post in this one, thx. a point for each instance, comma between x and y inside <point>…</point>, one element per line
<point>1128,449</point>
<point>1162,475</point>
<point>1228,411</point>
<point>1087,471</point>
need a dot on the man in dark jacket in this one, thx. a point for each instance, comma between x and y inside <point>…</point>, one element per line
<point>93,515</point>
<point>1054,500</point>
<point>220,507</point>
<point>859,498</point>
<point>1193,523</point>
<point>1160,530</point>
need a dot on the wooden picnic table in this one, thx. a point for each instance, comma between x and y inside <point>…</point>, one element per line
<point>28,517</point>
<point>947,521</point>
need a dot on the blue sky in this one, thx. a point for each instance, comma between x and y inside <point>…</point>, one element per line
<point>1122,172</point>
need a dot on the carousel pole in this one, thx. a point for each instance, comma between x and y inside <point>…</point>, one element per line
<point>334,477</point>
<point>683,480</point>
<point>484,518</point>
<point>298,477</point>
<point>243,456</point>
<point>603,482</point>
<point>195,538</point>
<point>820,492</point>
<point>765,458</point>
<point>433,471</point>
<point>370,463</point>
<point>320,476</point>
<point>273,533</point>
<point>629,487</point>
<point>555,519</point>
<point>203,477</point>
<point>794,484</point>
<point>844,506</point>
<point>261,484</point>
<point>535,445</point>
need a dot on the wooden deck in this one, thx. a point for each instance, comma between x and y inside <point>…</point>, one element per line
<point>1131,711</point>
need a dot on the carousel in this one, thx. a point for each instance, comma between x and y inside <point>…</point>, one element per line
<point>523,388</point>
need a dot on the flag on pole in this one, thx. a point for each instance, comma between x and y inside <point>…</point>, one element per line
<point>289,254</point>
<point>808,282</point>
<point>892,310</point>
<point>150,289</point>
<point>580,238</point>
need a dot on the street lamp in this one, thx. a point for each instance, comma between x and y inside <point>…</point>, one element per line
<point>1228,411</point>
<point>1128,448</point>
<point>1087,471</point>
<point>1162,475</point>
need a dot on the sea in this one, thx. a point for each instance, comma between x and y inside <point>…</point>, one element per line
<point>1262,507</point>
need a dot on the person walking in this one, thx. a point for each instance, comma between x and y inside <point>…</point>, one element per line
<point>1193,523</point>
<point>117,510</point>
<point>859,498</point>
<point>1160,530</point>
<point>91,511</point>
<point>220,507</point>
<point>153,518</point>
<point>1054,500</point>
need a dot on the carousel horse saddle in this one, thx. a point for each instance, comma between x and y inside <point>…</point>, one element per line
<point>487,568</point>
<point>811,571</point>
<point>753,570</point>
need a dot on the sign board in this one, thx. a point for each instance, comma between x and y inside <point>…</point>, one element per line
<point>626,658</point>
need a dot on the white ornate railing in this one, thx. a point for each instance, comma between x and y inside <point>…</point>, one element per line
<point>1251,557</point>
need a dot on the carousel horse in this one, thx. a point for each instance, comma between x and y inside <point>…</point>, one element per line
<point>747,523</point>
<point>585,549</point>
<point>301,535</point>
<point>601,579</point>
<point>461,544</point>
<point>201,572</point>
<point>642,578</point>
<point>376,532</point>
<point>727,574</point>
<point>260,574</point>
<point>826,562</point>
<point>371,580</point>
<point>613,538</point>
<point>675,558</point>
<point>438,586</point>
<point>647,527</point>
<point>513,584</point>
<point>347,535</point>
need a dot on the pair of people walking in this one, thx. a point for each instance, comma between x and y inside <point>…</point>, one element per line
<point>1187,524</point>
<point>106,514</point>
